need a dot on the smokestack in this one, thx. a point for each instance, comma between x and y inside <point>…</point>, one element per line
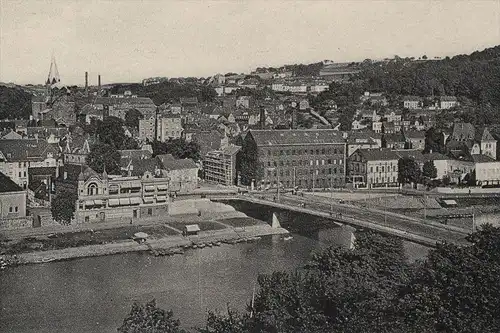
<point>86,83</point>
<point>99,81</point>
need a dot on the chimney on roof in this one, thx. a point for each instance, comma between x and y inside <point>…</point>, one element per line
<point>86,83</point>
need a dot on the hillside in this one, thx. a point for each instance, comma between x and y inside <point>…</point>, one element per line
<point>168,91</point>
<point>14,103</point>
<point>475,77</point>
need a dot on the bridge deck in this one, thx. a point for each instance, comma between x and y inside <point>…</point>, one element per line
<point>415,230</point>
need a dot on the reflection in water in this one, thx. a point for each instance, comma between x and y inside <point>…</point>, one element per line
<point>95,294</point>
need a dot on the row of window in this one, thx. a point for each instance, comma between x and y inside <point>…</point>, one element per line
<point>382,180</point>
<point>303,162</point>
<point>13,209</point>
<point>383,168</point>
<point>321,182</point>
<point>288,173</point>
<point>288,152</point>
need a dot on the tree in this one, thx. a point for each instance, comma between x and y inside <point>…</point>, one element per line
<point>110,131</point>
<point>179,148</point>
<point>102,156</point>
<point>148,318</point>
<point>434,141</point>
<point>63,206</point>
<point>429,170</point>
<point>132,118</point>
<point>247,162</point>
<point>409,171</point>
<point>15,103</point>
<point>233,322</point>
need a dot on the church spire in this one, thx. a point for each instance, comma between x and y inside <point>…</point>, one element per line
<point>53,77</point>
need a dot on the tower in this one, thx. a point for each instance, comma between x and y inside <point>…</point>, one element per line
<point>86,83</point>
<point>53,77</point>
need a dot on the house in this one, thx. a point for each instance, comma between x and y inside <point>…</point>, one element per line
<point>359,140</point>
<point>219,166</point>
<point>102,197</point>
<point>392,117</point>
<point>394,141</point>
<point>16,156</point>
<point>182,173</point>
<point>12,199</point>
<point>76,149</point>
<point>243,102</point>
<point>487,170</point>
<point>119,105</point>
<point>447,102</point>
<point>377,126</point>
<point>368,168</point>
<point>441,162</point>
<point>318,87</point>
<point>415,139</point>
<point>296,158</point>
<point>471,140</point>
<point>412,102</point>
<point>358,124</point>
<point>169,127</point>
<point>147,129</point>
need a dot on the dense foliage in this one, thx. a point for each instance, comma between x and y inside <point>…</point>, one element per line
<point>408,171</point>
<point>104,156</point>
<point>297,69</point>
<point>63,207</point>
<point>110,131</point>
<point>179,148</point>
<point>247,162</point>
<point>148,318</point>
<point>15,103</point>
<point>373,288</point>
<point>169,91</point>
<point>429,170</point>
<point>475,77</point>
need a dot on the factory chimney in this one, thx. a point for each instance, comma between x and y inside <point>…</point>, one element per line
<point>86,83</point>
<point>99,82</point>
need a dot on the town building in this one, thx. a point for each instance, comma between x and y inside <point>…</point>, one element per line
<point>297,158</point>
<point>147,129</point>
<point>119,105</point>
<point>12,199</point>
<point>16,156</point>
<point>487,170</point>
<point>412,102</point>
<point>359,140</point>
<point>339,71</point>
<point>415,139</point>
<point>447,102</point>
<point>473,141</point>
<point>369,168</point>
<point>169,127</point>
<point>219,166</point>
<point>76,149</point>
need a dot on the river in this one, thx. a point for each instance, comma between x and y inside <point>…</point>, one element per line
<point>95,294</point>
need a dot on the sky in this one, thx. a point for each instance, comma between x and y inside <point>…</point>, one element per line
<point>128,40</point>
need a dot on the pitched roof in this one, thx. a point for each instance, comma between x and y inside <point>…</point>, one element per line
<point>463,131</point>
<point>123,100</point>
<point>394,137</point>
<point>378,154</point>
<point>482,158</point>
<point>7,185</point>
<point>414,134</point>
<point>435,157</point>
<point>294,137</point>
<point>135,154</point>
<point>26,149</point>
<point>359,137</point>
<point>411,153</point>
<point>140,166</point>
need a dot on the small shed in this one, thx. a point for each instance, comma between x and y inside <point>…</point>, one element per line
<point>191,229</point>
<point>140,236</point>
<point>449,203</point>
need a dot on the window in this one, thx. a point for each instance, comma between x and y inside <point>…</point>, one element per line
<point>10,209</point>
<point>383,169</point>
<point>371,169</point>
<point>376,169</point>
<point>16,209</point>
<point>317,151</point>
<point>268,163</point>
<point>329,161</point>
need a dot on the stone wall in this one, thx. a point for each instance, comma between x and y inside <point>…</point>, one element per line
<point>16,223</point>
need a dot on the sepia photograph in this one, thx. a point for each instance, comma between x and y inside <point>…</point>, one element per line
<point>249,166</point>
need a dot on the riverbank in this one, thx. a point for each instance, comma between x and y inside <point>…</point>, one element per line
<point>218,223</point>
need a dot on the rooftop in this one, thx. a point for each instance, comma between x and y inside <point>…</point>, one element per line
<point>7,185</point>
<point>296,137</point>
<point>378,154</point>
